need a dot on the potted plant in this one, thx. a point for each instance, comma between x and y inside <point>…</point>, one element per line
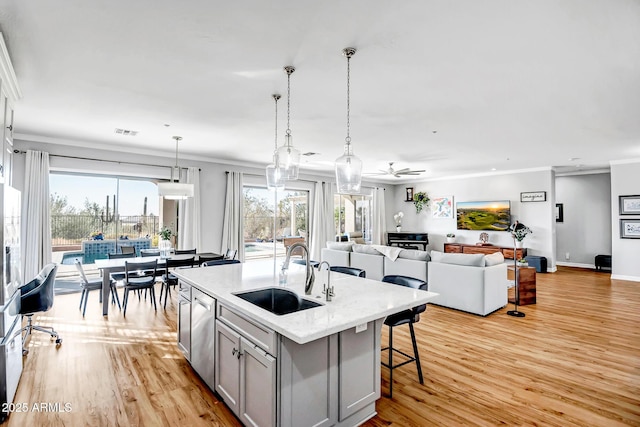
<point>419,200</point>
<point>522,263</point>
<point>451,238</point>
<point>165,241</point>
<point>398,219</point>
<point>519,231</point>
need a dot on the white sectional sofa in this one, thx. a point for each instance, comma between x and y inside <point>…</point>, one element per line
<point>474,283</point>
<point>405,262</point>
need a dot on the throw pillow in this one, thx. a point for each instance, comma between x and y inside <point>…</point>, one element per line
<point>493,259</point>
<point>414,254</point>
<point>365,249</point>
<point>340,246</point>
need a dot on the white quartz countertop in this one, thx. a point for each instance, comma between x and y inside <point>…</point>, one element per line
<point>356,301</point>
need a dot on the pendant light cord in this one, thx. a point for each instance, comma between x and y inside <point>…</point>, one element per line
<point>177,138</point>
<point>276,97</point>
<point>289,70</point>
<point>348,138</point>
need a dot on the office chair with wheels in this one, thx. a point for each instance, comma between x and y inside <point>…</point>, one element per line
<point>37,296</point>
<point>410,316</point>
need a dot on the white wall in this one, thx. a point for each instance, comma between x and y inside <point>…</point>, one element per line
<point>539,216</point>
<point>584,232</point>
<point>625,180</point>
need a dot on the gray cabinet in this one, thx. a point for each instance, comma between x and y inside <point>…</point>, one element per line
<point>332,381</point>
<point>245,372</point>
<point>184,319</point>
<point>203,335</point>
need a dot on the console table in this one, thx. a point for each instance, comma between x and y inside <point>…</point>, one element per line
<point>526,285</point>
<point>461,248</point>
<point>404,239</point>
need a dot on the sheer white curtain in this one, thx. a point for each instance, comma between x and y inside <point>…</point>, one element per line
<point>36,217</point>
<point>232,229</point>
<point>321,226</point>
<point>379,218</point>
<point>189,213</point>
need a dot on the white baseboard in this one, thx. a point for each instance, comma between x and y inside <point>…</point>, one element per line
<point>622,277</point>
<point>575,264</point>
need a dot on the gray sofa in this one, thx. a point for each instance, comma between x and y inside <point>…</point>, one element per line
<point>474,283</point>
<point>409,262</point>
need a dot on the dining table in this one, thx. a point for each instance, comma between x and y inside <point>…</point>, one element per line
<point>108,266</point>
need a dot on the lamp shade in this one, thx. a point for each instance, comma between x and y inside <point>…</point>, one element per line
<point>175,190</point>
<point>275,175</point>
<point>348,172</point>
<point>289,159</point>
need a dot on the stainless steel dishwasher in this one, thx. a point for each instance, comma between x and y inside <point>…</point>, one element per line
<point>203,335</point>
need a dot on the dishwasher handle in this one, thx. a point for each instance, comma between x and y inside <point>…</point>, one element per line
<point>202,303</point>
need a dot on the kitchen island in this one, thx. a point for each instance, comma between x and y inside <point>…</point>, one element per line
<point>318,366</point>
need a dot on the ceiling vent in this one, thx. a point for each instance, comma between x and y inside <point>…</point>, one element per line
<point>126,132</point>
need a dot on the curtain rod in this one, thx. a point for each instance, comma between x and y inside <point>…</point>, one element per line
<point>102,160</point>
<point>256,175</point>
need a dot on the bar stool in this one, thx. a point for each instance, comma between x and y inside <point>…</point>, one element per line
<point>349,270</point>
<point>410,316</point>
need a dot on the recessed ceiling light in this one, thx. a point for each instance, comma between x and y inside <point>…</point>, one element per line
<point>494,169</point>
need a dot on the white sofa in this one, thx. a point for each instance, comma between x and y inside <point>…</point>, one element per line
<point>474,283</point>
<point>409,262</point>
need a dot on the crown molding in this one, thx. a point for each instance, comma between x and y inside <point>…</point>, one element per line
<point>7,74</point>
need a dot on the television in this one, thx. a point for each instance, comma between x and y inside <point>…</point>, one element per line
<point>486,215</point>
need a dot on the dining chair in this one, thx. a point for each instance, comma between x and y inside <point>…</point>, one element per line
<point>205,258</point>
<point>349,270</point>
<point>169,279</point>
<point>149,252</point>
<point>409,316</point>
<point>137,280</point>
<point>185,252</point>
<point>94,284</point>
<point>128,249</point>
<point>118,277</point>
<point>231,254</point>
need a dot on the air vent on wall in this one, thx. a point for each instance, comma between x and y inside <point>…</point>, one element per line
<point>126,132</point>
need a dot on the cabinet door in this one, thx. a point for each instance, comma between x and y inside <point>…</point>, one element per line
<point>257,385</point>
<point>227,365</point>
<point>184,326</point>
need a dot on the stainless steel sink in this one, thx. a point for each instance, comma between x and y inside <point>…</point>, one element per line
<point>277,300</point>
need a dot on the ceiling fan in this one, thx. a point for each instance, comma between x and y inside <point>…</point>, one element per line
<point>398,173</point>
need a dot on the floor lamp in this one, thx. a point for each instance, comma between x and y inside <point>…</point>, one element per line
<point>515,313</point>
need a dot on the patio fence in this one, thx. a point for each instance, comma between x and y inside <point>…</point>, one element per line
<point>71,230</point>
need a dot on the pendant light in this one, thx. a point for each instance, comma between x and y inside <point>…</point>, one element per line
<point>175,190</point>
<point>289,157</point>
<point>348,166</point>
<point>275,172</point>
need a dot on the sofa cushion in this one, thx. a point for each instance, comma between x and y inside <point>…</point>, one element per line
<point>493,259</point>
<point>471,260</point>
<point>340,246</point>
<point>365,249</point>
<point>414,254</point>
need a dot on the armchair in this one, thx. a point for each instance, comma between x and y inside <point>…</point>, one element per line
<point>37,296</point>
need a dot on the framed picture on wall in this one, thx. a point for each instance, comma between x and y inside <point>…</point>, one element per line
<point>559,212</point>
<point>409,194</point>
<point>630,228</point>
<point>629,205</point>
<point>442,207</point>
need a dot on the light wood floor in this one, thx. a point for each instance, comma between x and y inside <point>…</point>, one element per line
<point>573,360</point>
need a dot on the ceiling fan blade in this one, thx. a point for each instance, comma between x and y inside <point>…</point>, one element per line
<point>411,172</point>
<point>402,170</point>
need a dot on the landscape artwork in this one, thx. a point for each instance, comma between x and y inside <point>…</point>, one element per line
<point>442,207</point>
<point>490,215</point>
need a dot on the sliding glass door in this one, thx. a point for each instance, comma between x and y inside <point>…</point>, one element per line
<point>92,215</point>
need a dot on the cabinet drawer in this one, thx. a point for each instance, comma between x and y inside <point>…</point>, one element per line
<point>258,334</point>
<point>454,249</point>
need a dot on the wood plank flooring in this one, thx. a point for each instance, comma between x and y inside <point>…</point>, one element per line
<point>574,360</point>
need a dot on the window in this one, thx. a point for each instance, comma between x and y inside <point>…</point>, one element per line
<point>85,206</point>
<point>352,214</point>
<point>290,220</point>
